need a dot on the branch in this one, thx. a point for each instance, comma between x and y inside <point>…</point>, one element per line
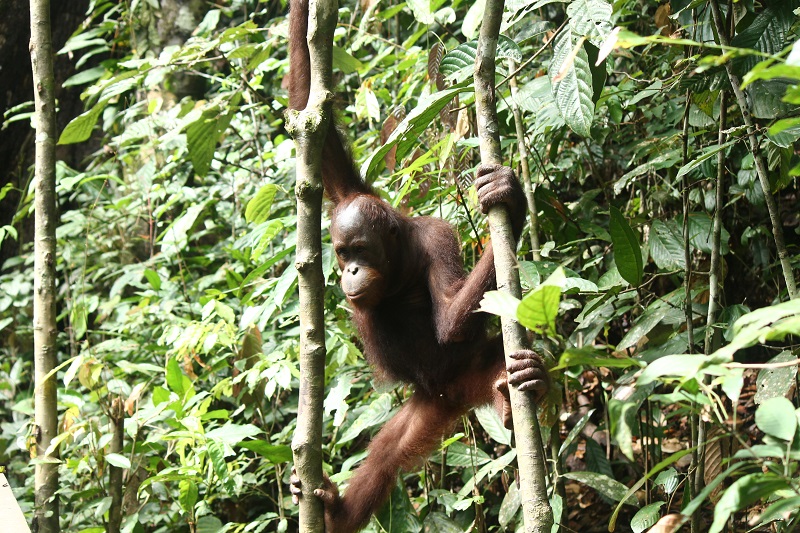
<point>532,472</point>
<point>309,128</point>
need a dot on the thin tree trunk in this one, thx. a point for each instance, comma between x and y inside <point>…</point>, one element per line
<point>530,453</point>
<point>44,270</point>
<point>688,307</point>
<point>714,282</point>
<point>309,128</point>
<point>761,168</point>
<point>117,416</point>
<point>525,168</point>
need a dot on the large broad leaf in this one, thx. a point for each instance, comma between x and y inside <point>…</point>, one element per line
<point>459,63</point>
<point>377,413</point>
<point>572,82</point>
<point>666,245</point>
<point>594,357</point>
<point>436,523</point>
<point>231,433</point>
<point>652,316</point>
<point>627,253</point>
<point>490,421</point>
<point>776,418</point>
<point>776,382</point>
<point>258,207</point>
<point>80,128</point>
<point>768,33</point>
<point>646,517</point>
<point>768,323</point>
<point>421,10</point>
<point>176,236</point>
<point>202,136</point>
<point>741,494</point>
<point>610,488</point>
<point>539,309</point>
<point>704,155</point>
<point>622,414</point>
<point>406,135</point>
<point>590,19</point>
<point>272,452</point>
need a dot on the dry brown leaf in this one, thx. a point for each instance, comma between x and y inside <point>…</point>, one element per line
<point>662,19</point>
<point>434,60</point>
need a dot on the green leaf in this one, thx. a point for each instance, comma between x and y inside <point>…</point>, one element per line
<point>378,412</point>
<point>406,135</point>
<point>490,421</point>
<point>459,63</point>
<point>273,453</point>
<point>590,19</point>
<point>176,236</point>
<point>668,479</point>
<point>622,414</point>
<point>627,253</point>
<point>499,303</point>
<point>684,365</point>
<point>345,62</point>
<point>610,488</point>
<point>174,376</point>
<point>202,136</point>
<point>776,418</point>
<point>646,517</point>
<point>769,33</point>
<point>651,317</point>
<point>665,159</point>
<point>785,132</point>
<point>436,522</point>
<point>510,506</point>
<point>636,486</point>
<point>80,128</point>
<point>78,317</point>
<point>120,461</point>
<point>216,453</point>
<point>257,211</point>
<point>538,310</point>
<point>421,10</point>
<point>153,278</point>
<point>571,79</point>
<point>776,382</point>
<point>188,495</point>
<point>706,154</point>
<point>594,357</point>
<point>231,433</point>
<point>780,509</point>
<point>768,323</point>
<point>741,494</point>
<point>209,524</point>
<point>666,245</point>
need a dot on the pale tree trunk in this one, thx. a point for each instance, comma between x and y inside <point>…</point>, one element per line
<point>44,270</point>
<point>532,472</point>
<point>309,128</point>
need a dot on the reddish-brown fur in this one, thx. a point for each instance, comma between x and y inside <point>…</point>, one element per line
<point>414,308</point>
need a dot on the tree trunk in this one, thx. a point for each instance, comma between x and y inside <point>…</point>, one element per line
<point>309,128</point>
<point>530,452</point>
<point>117,417</point>
<point>44,272</point>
